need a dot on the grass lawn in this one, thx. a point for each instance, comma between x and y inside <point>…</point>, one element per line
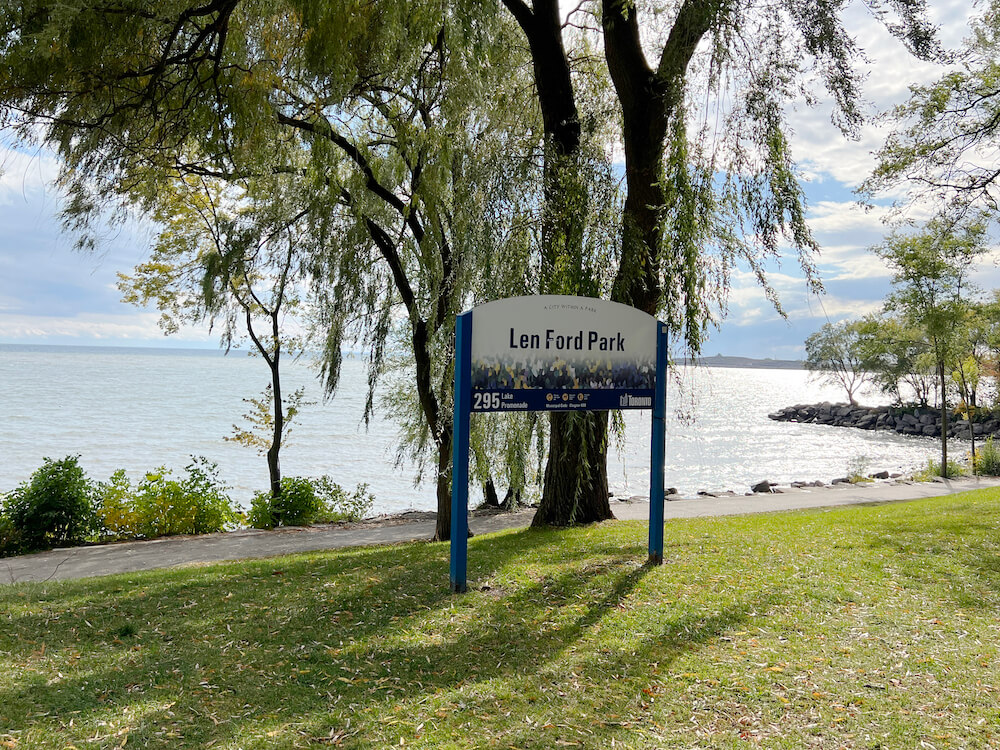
<point>866,627</point>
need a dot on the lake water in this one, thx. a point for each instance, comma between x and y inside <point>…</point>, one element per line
<point>138,409</point>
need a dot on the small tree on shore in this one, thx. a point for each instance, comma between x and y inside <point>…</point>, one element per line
<point>225,257</point>
<point>836,354</point>
<point>931,287</point>
<point>895,355</point>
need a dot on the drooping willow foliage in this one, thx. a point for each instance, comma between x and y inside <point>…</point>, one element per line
<point>419,141</point>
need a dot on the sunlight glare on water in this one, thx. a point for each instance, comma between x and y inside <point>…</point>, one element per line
<point>138,409</point>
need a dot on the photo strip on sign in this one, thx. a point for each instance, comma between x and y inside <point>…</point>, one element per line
<point>557,353</point>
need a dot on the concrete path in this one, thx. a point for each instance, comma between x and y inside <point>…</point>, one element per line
<point>84,562</point>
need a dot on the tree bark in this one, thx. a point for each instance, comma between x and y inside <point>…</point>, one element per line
<point>944,421</point>
<point>576,473</point>
<point>565,499</point>
<point>648,98</point>
<point>442,529</point>
<point>273,464</point>
<point>490,498</point>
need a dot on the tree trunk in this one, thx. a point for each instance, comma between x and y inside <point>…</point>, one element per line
<point>442,530</point>
<point>512,499</point>
<point>576,473</point>
<point>944,421</point>
<point>490,498</point>
<point>565,498</point>
<point>273,465</point>
<point>972,438</point>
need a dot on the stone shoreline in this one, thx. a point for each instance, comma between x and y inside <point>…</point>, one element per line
<point>766,487</point>
<point>911,420</point>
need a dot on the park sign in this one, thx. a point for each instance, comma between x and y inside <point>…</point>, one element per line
<point>558,354</point>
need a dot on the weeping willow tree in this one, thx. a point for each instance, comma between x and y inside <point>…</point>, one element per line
<point>942,150</point>
<point>399,124</point>
<point>702,87</point>
<point>405,117</point>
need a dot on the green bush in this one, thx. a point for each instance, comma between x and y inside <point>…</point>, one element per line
<point>987,459</point>
<point>116,508</point>
<point>54,508</point>
<point>295,505</point>
<point>303,501</point>
<point>933,471</point>
<point>163,506</point>
<point>10,537</point>
<point>341,505</point>
<point>857,470</point>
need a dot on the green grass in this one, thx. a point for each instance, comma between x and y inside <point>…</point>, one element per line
<point>870,627</point>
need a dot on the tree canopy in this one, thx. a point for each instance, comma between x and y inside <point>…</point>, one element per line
<point>836,353</point>
<point>944,147</point>
<point>413,131</point>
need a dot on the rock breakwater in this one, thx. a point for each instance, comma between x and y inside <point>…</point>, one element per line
<point>912,420</point>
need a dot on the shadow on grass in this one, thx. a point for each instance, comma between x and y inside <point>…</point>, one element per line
<point>226,652</point>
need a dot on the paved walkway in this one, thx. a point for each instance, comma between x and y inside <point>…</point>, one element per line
<point>84,562</point>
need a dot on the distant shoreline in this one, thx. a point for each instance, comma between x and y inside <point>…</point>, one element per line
<point>720,360</point>
<point>714,361</point>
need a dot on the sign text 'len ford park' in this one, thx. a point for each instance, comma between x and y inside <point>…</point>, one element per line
<point>555,353</point>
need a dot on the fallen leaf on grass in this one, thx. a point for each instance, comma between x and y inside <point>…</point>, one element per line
<point>335,737</point>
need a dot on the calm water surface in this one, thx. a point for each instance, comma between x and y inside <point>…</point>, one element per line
<point>138,409</point>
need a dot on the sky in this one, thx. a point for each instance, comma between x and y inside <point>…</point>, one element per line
<point>52,294</point>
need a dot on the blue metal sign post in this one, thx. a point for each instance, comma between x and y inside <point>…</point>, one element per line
<point>658,446</point>
<point>552,353</point>
<point>460,453</point>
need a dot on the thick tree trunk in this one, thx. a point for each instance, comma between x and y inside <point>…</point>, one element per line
<point>512,499</point>
<point>490,498</point>
<point>638,280</point>
<point>570,494</point>
<point>576,473</point>
<point>442,530</point>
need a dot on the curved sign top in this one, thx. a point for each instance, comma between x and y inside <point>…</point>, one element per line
<point>560,353</point>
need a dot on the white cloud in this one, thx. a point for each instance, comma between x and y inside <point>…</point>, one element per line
<point>833,309</point>
<point>26,175</point>
<point>836,217</point>
<point>139,327</point>
<point>819,147</point>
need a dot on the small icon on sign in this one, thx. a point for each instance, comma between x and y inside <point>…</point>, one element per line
<point>548,396</point>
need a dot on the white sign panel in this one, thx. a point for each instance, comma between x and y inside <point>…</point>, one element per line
<point>552,353</point>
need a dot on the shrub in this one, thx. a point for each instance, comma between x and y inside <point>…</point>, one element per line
<point>341,505</point>
<point>987,459</point>
<point>10,537</point>
<point>303,501</point>
<point>163,506</point>
<point>116,509</point>
<point>857,470</point>
<point>933,471</point>
<point>295,505</point>
<point>54,507</point>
